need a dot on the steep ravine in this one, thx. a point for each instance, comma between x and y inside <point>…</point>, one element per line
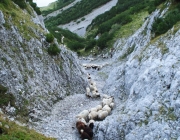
<point>145,85</point>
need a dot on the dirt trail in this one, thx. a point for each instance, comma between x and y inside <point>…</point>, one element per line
<point>61,122</point>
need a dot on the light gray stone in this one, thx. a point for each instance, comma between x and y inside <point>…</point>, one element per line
<point>2,20</point>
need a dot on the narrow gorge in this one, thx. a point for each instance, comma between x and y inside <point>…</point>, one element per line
<point>141,72</point>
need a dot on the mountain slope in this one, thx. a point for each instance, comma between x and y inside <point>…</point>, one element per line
<point>145,83</point>
<point>36,79</point>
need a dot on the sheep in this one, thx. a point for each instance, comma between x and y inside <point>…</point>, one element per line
<point>93,109</point>
<point>107,101</point>
<point>84,135</point>
<point>106,96</point>
<point>93,83</point>
<point>97,94</point>
<point>100,111</point>
<point>94,94</point>
<point>81,120</point>
<point>88,92</point>
<point>93,115</point>
<point>87,89</point>
<point>84,114</point>
<point>88,130</point>
<point>91,87</point>
<point>107,108</point>
<point>88,75</point>
<point>102,115</point>
<point>111,105</point>
<point>95,88</point>
<point>80,125</point>
<point>98,107</point>
<point>91,124</point>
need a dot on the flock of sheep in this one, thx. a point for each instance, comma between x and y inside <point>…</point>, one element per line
<point>86,118</point>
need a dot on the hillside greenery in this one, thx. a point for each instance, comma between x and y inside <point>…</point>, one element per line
<point>22,4</point>
<point>105,26</point>
<point>80,9</point>
<point>163,24</point>
<point>55,6</point>
<point>9,130</point>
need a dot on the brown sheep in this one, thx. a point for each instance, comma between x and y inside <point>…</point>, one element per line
<point>84,135</point>
<point>80,125</point>
<point>88,130</point>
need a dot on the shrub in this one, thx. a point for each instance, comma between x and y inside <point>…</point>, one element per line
<point>6,97</point>
<point>53,50</point>
<point>90,44</point>
<point>75,46</point>
<point>5,2</point>
<point>102,41</point>
<point>21,3</point>
<point>49,38</point>
<point>162,25</point>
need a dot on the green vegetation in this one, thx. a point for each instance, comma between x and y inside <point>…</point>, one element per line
<point>114,23</point>
<point>78,10</point>
<point>72,40</point>
<point>53,49</point>
<point>111,22</point>
<point>22,4</point>
<point>55,6</point>
<point>12,131</point>
<point>20,19</point>
<point>6,97</point>
<point>163,24</point>
<point>49,38</point>
<point>121,21</point>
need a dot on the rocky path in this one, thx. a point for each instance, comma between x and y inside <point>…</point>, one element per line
<point>61,122</point>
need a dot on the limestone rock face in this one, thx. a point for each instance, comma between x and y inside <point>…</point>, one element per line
<point>36,79</point>
<point>146,87</point>
<point>2,21</point>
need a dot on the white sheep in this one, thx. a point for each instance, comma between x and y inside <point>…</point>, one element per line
<point>92,87</point>
<point>107,108</point>
<point>99,107</point>
<point>102,115</point>
<point>84,114</point>
<point>107,101</point>
<point>93,115</point>
<point>91,124</point>
<point>105,96</point>
<point>95,94</point>
<point>95,89</point>
<point>111,105</point>
<point>88,91</point>
<point>93,83</point>
<point>93,109</point>
<point>81,120</point>
<point>100,111</point>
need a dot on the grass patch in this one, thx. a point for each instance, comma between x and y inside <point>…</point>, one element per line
<point>22,20</point>
<point>130,28</point>
<point>6,98</point>
<point>12,131</point>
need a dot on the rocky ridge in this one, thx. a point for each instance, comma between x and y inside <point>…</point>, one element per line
<point>146,86</point>
<point>36,79</point>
